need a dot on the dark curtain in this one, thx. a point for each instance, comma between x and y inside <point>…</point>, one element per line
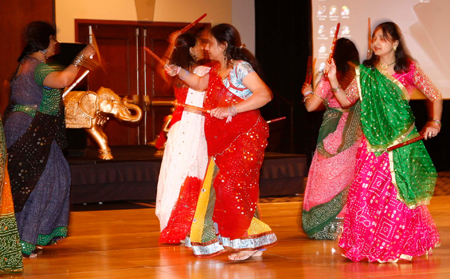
<point>283,44</point>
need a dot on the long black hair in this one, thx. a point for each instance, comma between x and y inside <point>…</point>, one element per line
<point>181,55</point>
<point>392,33</point>
<point>345,51</point>
<point>227,33</point>
<point>37,37</point>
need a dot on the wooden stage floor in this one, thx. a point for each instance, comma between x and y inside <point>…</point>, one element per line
<point>124,244</point>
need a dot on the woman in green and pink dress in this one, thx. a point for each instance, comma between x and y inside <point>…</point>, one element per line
<point>387,217</point>
<point>333,165</point>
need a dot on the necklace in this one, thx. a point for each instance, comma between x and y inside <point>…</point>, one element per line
<point>384,66</point>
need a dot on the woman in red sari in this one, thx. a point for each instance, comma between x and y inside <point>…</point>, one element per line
<point>227,215</point>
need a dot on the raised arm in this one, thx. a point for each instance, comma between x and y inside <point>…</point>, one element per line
<point>166,58</point>
<point>193,81</point>
<point>339,94</point>
<point>61,79</point>
<point>314,100</point>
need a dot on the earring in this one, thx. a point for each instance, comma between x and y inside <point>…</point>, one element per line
<point>394,48</point>
<point>193,54</point>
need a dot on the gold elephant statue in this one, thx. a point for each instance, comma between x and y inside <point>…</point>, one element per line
<point>90,110</point>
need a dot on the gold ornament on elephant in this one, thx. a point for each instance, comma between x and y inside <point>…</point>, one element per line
<point>89,110</point>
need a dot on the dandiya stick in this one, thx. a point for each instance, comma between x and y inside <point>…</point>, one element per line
<point>276,119</point>
<point>191,107</point>
<point>369,40</point>
<point>154,56</point>
<point>406,143</point>
<point>308,69</point>
<point>190,25</point>
<point>332,46</point>
<point>312,71</point>
<point>75,83</point>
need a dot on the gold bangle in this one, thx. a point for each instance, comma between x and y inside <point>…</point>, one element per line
<point>337,89</point>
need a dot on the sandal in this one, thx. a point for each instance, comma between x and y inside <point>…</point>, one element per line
<point>248,255</point>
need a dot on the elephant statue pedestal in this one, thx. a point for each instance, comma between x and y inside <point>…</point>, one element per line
<point>91,110</point>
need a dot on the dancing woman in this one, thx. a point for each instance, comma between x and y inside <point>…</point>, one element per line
<point>35,135</point>
<point>333,165</point>
<point>387,217</point>
<point>185,155</point>
<point>10,250</point>
<point>227,215</point>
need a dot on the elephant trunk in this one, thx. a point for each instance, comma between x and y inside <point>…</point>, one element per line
<point>125,115</point>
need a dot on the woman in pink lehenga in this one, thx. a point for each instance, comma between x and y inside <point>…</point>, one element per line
<point>333,165</point>
<point>387,217</point>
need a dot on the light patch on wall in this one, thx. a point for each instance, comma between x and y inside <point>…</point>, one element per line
<point>145,9</point>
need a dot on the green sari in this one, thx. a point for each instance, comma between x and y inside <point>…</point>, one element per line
<point>387,120</point>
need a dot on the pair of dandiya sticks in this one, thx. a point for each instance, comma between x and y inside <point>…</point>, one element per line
<point>156,57</point>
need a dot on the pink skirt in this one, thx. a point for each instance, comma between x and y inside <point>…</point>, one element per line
<point>377,226</point>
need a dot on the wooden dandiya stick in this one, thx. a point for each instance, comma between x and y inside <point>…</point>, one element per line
<point>154,56</point>
<point>312,71</point>
<point>190,25</point>
<point>406,143</point>
<point>276,119</point>
<point>369,41</point>
<point>308,69</point>
<point>175,103</point>
<point>332,47</point>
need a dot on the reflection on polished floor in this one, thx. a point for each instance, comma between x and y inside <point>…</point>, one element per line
<point>124,244</point>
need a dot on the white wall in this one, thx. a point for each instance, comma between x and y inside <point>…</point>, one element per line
<point>66,11</point>
<point>240,13</point>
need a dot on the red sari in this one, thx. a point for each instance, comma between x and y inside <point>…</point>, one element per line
<point>226,216</point>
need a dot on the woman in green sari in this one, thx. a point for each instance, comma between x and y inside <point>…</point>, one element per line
<point>387,217</point>
<point>339,138</point>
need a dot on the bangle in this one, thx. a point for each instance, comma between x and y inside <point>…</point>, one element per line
<point>306,98</point>
<point>233,108</point>
<point>437,122</point>
<point>185,75</point>
<point>337,89</point>
<point>78,60</point>
<point>307,93</point>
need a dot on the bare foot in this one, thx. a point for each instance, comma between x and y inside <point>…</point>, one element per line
<point>245,255</point>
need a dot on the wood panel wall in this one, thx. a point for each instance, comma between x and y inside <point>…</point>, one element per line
<point>14,16</point>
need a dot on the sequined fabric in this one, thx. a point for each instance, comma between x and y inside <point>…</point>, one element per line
<point>228,200</point>
<point>10,252</point>
<point>40,175</point>
<point>332,168</point>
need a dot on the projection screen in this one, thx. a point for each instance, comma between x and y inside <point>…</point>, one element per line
<point>423,24</point>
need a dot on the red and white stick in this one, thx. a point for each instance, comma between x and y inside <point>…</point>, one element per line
<point>154,56</point>
<point>332,47</point>
<point>276,119</point>
<point>191,107</point>
<point>406,143</point>
<point>190,25</point>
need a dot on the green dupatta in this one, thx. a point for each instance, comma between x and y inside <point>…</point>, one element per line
<point>387,120</point>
